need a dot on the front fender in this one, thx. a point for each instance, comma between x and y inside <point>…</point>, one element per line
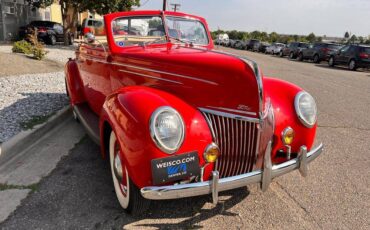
<point>282,95</point>
<point>128,111</point>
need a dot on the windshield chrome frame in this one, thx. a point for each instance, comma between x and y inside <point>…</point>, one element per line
<point>187,18</point>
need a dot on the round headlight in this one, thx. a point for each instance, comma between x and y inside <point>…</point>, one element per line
<point>306,109</point>
<point>167,129</point>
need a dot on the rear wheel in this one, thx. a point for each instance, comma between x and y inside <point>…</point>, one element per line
<point>316,58</point>
<point>52,40</point>
<point>291,56</point>
<point>352,65</point>
<point>128,194</point>
<point>281,54</point>
<point>331,61</point>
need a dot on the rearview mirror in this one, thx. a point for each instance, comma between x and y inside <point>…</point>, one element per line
<point>90,38</point>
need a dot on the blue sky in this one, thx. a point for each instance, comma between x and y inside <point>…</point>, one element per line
<point>323,17</point>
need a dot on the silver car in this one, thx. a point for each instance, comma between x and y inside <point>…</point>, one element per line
<point>275,48</point>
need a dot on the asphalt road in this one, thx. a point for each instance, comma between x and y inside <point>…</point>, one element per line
<point>79,193</point>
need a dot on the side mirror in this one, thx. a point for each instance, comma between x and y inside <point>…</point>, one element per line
<point>90,38</point>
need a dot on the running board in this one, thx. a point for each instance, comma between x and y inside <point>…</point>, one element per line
<point>89,120</point>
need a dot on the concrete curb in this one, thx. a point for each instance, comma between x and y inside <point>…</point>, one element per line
<point>22,140</point>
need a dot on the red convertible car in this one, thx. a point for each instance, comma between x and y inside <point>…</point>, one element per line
<point>178,118</point>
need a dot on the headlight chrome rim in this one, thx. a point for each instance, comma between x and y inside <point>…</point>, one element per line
<point>299,112</point>
<point>153,135</point>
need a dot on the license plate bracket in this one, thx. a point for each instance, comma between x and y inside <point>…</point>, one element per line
<point>175,168</point>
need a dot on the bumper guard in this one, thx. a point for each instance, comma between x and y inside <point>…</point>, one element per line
<point>216,185</point>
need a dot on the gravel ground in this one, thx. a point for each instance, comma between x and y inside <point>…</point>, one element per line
<point>25,98</point>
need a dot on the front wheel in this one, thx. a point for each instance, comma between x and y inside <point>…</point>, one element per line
<point>300,57</point>
<point>128,194</point>
<point>281,54</point>
<point>291,56</point>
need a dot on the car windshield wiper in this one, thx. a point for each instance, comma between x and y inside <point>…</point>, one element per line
<point>185,41</point>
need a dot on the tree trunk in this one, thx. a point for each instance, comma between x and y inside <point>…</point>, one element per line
<point>68,23</point>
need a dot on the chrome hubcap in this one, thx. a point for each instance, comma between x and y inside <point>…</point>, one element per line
<point>118,168</point>
<point>352,64</point>
<point>118,171</point>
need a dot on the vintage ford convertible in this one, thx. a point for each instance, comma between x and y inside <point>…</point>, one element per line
<point>178,118</point>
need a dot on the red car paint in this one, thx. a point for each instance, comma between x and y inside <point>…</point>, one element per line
<point>124,86</point>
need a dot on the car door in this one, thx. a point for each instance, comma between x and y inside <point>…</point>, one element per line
<point>341,55</point>
<point>308,53</point>
<point>95,72</point>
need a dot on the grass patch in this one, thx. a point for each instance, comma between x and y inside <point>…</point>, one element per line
<point>32,187</point>
<point>35,120</point>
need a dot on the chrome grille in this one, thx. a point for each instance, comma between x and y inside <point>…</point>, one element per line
<point>237,139</point>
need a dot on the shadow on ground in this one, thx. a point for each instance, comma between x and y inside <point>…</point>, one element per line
<point>79,194</point>
<point>28,111</point>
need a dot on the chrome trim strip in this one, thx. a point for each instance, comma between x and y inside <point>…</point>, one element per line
<point>151,70</point>
<point>233,110</point>
<point>228,183</point>
<point>149,76</point>
<point>230,115</point>
<point>163,72</point>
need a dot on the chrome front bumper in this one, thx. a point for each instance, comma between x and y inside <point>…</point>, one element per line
<point>216,185</point>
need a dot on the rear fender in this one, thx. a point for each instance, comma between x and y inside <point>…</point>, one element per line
<point>74,83</point>
<point>282,95</point>
<point>128,112</point>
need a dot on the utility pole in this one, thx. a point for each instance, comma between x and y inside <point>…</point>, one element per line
<point>164,5</point>
<point>175,6</point>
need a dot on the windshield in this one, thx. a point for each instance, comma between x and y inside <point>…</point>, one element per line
<point>187,30</point>
<point>137,30</point>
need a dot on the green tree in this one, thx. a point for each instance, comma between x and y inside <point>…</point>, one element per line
<point>346,35</point>
<point>353,39</point>
<point>311,38</point>
<point>78,6</point>
<point>273,37</point>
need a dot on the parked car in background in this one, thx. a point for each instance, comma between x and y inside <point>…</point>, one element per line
<point>318,52</point>
<point>352,56</point>
<point>155,108</point>
<point>47,31</point>
<point>256,46</point>
<point>250,44</point>
<point>239,44</point>
<point>94,26</point>
<point>293,49</point>
<point>262,47</point>
<point>275,48</point>
<point>231,43</point>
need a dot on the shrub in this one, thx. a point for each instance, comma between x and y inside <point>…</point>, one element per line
<point>22,47</point>
<point>39,52</point>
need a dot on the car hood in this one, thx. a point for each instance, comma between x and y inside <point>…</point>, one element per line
<point>203,78</point>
